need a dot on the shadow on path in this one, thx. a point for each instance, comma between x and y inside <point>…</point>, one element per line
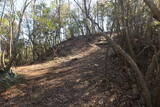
<point>72,83</point>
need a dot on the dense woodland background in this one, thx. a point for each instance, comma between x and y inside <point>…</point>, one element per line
<point>32,31</point>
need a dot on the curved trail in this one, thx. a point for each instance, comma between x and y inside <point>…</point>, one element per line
<point>65,82</point>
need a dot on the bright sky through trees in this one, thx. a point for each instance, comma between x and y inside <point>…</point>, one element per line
<point>19,3</point>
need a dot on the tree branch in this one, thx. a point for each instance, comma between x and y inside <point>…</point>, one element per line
<point>154,9</point>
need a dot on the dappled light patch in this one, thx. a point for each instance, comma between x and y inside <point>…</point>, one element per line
<point>79,53</point>
<point>13,92</point>
<point>112,99</point>
<point>64,81</point>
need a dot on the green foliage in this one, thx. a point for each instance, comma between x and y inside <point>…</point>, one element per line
<point>5,26</point>
<point>156,23</point>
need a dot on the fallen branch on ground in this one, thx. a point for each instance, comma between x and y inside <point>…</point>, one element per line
<point>139,76</point>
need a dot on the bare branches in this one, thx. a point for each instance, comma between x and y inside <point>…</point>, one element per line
<point>79,5</point>
<point>152,65</point>
<point>3,11</point>
<point>86,11</point>
<point>26,4</point>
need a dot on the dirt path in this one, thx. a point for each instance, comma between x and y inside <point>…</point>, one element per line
<point>84,78</point>
<point>65,82</point>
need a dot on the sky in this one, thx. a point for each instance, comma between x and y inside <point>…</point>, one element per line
<point>19,3</point>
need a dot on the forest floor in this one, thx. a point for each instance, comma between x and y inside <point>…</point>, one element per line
<point>76,80</point>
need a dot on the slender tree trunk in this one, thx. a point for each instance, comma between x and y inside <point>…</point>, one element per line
<point>139,76</point>
<point>0,53</point>
<point>26,53</point>
<point>85,18</point>
<point>4,5</point>
<point>13,58</point>
<point>3,59</point>
<point>125,31</point>
<point>97,12</point>
<point>11,30</point>
<point>11,41</point>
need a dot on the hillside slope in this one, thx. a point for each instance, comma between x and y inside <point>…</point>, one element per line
<point>66,81</point>
<point>76,79</point>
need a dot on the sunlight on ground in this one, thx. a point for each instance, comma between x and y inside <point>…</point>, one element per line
<point>38,69</point>
<point>13,92</point>
<point>63,72</point>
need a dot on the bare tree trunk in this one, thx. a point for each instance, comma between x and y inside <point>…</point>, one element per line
<point>11,40</point>
<point>139,75</point>
<point>97,12</point>
<point>3,59</point>
<point>0,53</point>
<point>58,32</point>
<point>86,10</point>
<point>11,30</point>
<point>125,29</point>
<point>26,54</point>
<point>79,24</point>
<point>155,10</point>
<point>9,65</point>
